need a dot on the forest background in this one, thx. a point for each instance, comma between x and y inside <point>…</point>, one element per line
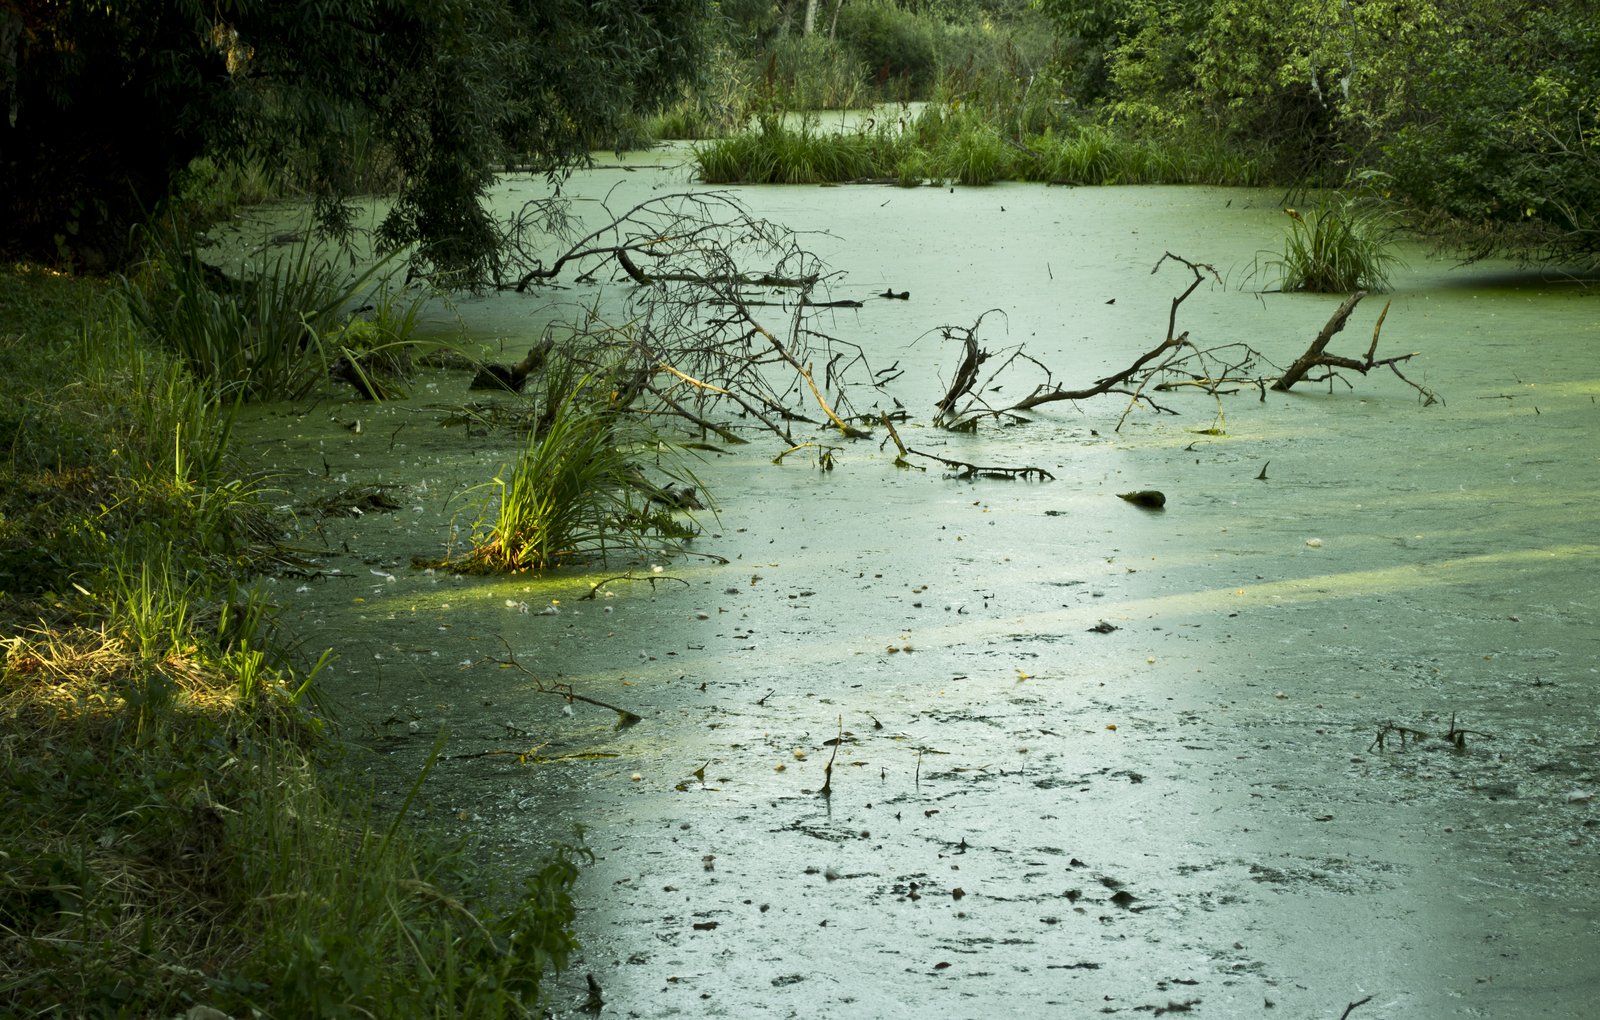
<point>1476,118</point>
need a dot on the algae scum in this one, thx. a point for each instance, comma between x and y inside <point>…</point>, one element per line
<point>1081,758</point>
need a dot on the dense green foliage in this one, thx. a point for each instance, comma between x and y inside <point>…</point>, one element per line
<point>110,103</point>
<point>1479,118</point>
<point>864,51</point>
<point>1480,112</point>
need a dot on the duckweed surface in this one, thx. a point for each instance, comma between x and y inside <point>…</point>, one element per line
<point>1320,731</point>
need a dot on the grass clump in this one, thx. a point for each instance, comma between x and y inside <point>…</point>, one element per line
<point>778,154</point>
<point>178,831</point>
<point>1340,246</point>
<point>277,330</point>
<point>575,495</point>
<point>982,129</point>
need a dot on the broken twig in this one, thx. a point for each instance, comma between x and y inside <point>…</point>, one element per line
<point>625,718</point>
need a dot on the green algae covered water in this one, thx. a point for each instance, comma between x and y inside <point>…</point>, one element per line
<point>1081,758</point>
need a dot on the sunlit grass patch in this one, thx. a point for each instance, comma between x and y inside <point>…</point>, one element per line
<point>170,841</point>
<point>575,495</point>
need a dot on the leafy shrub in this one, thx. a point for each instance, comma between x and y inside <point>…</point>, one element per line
<point>894,44</point>
<point>1482,113</point>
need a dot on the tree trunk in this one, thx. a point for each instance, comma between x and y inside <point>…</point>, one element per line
<point>810,23</point>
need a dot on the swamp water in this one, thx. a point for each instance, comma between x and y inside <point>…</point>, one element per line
<point>1031,812</point>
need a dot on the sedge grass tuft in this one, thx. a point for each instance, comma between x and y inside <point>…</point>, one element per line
<point>1340,246</point>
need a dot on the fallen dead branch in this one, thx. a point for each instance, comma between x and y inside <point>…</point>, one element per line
<point>1175,363</point>
<point>844,427</point>
<point>1391,730</point>
<point>594,589</point>
<point>827,770</point>
<point>1352,1007</point>
<point>963,469</point>
<point>692,331</point>
<point>1456,736</point>
<point>1316,356</point>
<point>671,234</point>
<point>625,718</point>
<point>1131,381</point>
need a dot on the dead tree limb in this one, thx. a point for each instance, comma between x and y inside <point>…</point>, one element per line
<point>679,256</point>
<point>1131,381</point>
<point>1175,363</point>
<point>888,423</point>
<point>625,718</point>
<point>725,434</point>
<point>966,470</point>
<point>1316,356</point>
<point>966,377</point>
<point>667,232</point>
<point>1352,1007</point>
<point>844,427</point>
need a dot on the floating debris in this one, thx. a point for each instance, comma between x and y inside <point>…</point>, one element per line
<point>1150,499</point>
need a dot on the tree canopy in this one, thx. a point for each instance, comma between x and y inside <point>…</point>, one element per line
<point>109,103</point>
<point>1485,111</point>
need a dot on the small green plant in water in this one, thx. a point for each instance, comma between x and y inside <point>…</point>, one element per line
<point>1338,247</point>
<point>573,496</point>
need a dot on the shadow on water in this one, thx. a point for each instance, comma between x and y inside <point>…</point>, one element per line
<point>1081,758</point>
<point>1520,279</point>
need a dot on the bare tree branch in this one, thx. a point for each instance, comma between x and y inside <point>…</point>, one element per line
<point>1176,362</point>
